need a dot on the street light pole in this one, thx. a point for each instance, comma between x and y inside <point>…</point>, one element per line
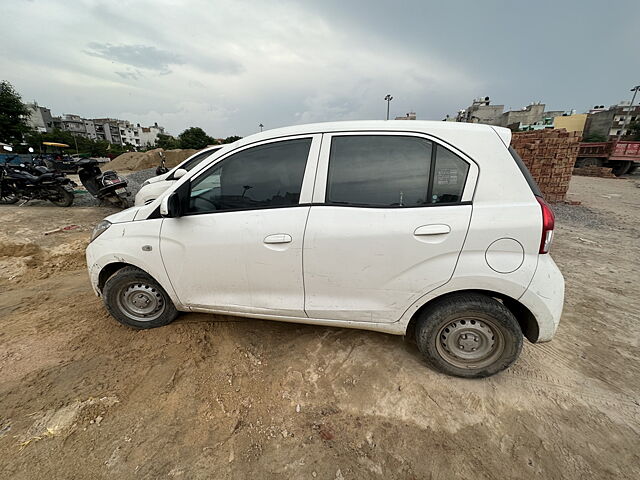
<point>388,98</point>
<point>624,121</point>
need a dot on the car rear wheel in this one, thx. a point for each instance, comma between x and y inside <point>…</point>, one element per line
<point>135,299</point>
<point>469,335</point>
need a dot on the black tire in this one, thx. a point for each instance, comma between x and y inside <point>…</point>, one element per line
<point>129,282</point>
<point>64,198</point>
<point>8,197</point>
<point>632,168</point>
<point>620,168</point>
<point>468,321</point>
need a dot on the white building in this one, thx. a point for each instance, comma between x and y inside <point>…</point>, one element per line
<point>40,118</point>
<point>129,133</point>
<point>149,135</point>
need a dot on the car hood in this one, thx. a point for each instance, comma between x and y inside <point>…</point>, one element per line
<point>124,216</point>
<point>159,178</point>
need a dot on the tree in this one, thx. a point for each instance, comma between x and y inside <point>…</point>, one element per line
<point>633,130</point>
<point>231,139</point>
<point>166,142</point>
<point>195,137</point>
<point>13,115</point>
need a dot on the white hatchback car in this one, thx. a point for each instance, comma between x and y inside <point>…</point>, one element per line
<point>434,230</point>
<point>155,186</point>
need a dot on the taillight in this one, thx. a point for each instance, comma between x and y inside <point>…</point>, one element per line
<point>548,223</point>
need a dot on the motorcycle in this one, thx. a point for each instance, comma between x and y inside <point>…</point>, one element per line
<point>24,182</point>
<point>162,168</point>
<point>105,186</point>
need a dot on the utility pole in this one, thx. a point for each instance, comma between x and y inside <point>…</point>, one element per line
<point>626,117</point>
<point>388,98</point>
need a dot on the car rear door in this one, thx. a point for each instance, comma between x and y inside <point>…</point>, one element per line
<point>389,217</point>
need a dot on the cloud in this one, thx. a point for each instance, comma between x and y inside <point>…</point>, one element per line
<point>229,65</point>
<point>129,75</point>
<point>140,56</point>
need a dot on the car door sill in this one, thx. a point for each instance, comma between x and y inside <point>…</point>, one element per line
<point>395,328</point>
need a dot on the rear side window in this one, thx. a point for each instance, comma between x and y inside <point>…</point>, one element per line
<point>393,171</point>
<point>379,171</point>
<point>526,173</point>
<point>449,177</point>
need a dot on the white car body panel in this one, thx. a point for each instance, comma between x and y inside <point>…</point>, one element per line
<point>362,269</point>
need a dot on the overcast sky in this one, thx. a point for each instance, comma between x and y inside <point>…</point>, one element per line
<point>228,65</point>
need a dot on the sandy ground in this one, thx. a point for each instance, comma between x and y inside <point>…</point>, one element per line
<point>213,397</point>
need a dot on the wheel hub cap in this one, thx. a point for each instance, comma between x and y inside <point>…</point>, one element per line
<point>469,342</point>
<point>141,302</point>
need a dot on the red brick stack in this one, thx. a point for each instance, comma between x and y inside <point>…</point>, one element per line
<point>550,156</point>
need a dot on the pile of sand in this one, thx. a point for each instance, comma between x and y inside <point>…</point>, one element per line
<point>143,160</point>
<point>23,260</point>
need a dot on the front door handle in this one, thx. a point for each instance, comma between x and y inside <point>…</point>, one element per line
<point>435,229</point>
<point>278,238</point>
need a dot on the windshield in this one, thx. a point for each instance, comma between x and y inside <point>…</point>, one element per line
<point>195,161</point>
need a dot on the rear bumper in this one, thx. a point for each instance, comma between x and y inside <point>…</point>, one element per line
<point>545,297</point>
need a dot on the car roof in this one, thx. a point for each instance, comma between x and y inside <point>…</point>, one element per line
<point>424,126</point>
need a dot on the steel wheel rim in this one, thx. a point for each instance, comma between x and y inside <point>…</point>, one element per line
<point>470,342</point>
<point>141,302</point>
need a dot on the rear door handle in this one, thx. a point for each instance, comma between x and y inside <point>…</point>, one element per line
<point>278,238</point>
<point>436,229</point>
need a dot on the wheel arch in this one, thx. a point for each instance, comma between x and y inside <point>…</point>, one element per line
<point>524,316</point>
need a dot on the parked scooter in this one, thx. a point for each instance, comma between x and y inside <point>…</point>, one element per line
<point>18,182</point>
<point>105,186</point>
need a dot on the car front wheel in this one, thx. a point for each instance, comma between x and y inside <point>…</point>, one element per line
<point>468,335</point>
<point>135,299</point>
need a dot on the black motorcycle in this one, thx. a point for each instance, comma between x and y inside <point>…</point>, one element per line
<point>32,183</point>
<point>105,186</point>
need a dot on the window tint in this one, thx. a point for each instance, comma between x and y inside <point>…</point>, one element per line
<point>379,170</point>
<point>264,176</point>
<point>449,177</point>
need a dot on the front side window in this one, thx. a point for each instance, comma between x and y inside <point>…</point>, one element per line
<point>379,171</point>
<point>264,176</point>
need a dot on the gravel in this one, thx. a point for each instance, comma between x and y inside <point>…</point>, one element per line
<point>581,215</point>
<point>137,178</point>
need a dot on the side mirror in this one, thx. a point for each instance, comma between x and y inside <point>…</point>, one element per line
<point>170,206</point>
<point>179,173</point>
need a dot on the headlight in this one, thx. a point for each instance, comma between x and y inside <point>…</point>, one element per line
<point>100,229</point>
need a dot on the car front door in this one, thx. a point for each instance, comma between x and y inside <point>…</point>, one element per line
<point>238,247</point>
<point>389,219</point>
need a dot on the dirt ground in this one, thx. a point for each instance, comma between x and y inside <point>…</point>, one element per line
<point>214,397</point>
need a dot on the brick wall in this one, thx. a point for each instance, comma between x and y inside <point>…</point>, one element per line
<point>549,156</point>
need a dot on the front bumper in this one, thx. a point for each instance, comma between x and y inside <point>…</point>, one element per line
<point>94,270</point>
